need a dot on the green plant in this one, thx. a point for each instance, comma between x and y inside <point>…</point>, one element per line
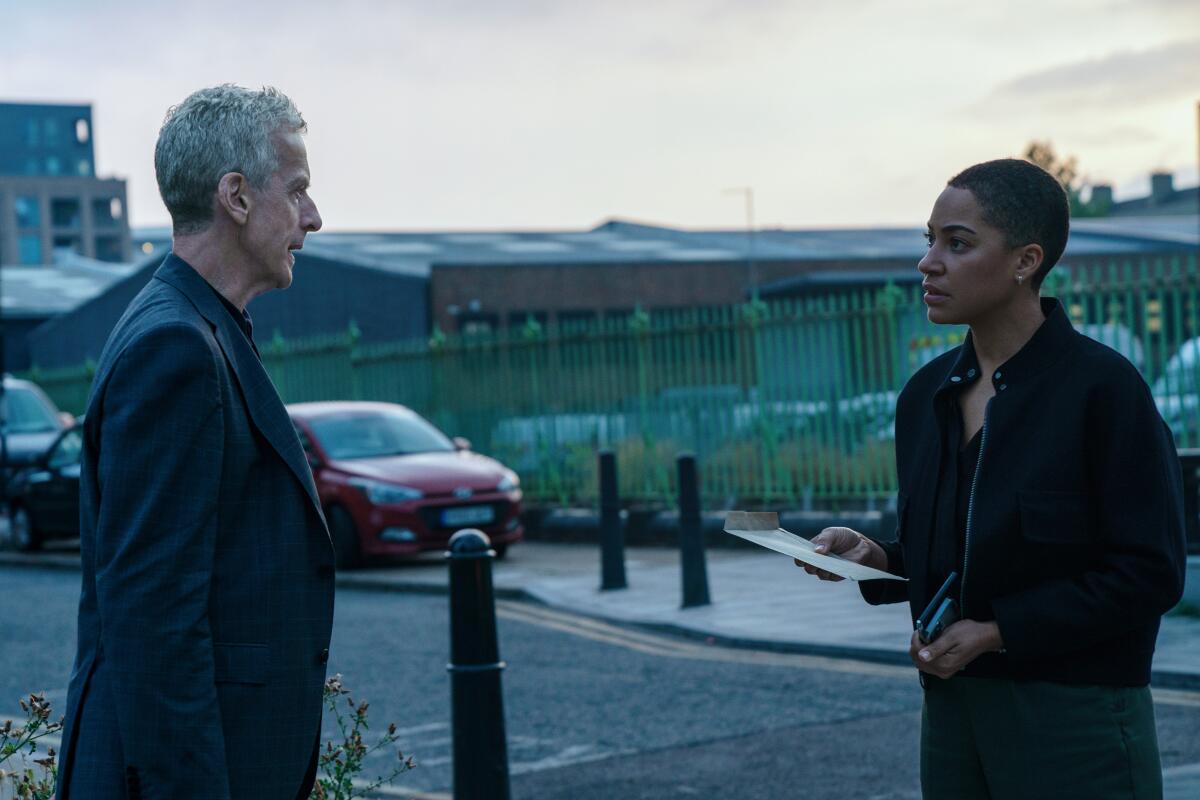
<point>340,764</point>
<point>22,741</point>
<point>1185,609</point>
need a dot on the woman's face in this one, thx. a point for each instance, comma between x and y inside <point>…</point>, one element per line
<point>970,272</point>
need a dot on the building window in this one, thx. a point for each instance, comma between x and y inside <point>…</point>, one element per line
<point>70,243</point>
<point>477,324</point>
<point>83,131</point>
<point>84,167</point>
<point>32,133</point>
<point>29,212</point>
<point>108,248</point>
<point>29,249</point>
<point>576,321</point>
<point>519,319</point>
<point>106,212</point>
<point>53,165</point>
<point>51,131</point>
<point>64,212</point>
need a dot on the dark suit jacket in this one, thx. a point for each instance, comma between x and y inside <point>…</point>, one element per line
<point>207,599</point>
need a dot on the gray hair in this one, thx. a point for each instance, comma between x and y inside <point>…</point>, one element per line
<point>215,131</point>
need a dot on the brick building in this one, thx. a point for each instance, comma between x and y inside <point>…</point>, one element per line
<point>50,197</point>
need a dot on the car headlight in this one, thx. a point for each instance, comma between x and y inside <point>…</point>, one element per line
<point>509,482</point>
<point>385,493</point>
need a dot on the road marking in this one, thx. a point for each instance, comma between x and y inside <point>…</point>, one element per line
<point>399,791</point>
<point>575,754</point>
<point>426,728</point>
<point>671,647</point>
<point>1176,697</point>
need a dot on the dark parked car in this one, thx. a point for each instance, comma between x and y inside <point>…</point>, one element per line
<point>393,484</point>
<point>44,496</point>
<point>32,420</point>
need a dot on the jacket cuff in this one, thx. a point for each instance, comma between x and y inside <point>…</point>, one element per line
<point>879,592</point>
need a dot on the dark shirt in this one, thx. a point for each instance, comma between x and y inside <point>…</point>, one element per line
<point>242,318</point>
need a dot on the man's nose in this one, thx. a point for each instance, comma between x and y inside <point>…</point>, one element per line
<point>311,220</point>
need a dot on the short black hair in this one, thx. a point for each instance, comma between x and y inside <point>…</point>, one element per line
<point>1025,202</point>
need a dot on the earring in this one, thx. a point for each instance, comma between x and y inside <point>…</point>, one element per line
<point>1020,279</point>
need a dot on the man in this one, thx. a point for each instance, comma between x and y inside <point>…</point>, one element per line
<point>207,598</point>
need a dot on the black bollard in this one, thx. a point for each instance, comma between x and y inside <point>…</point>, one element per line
<point>612,537</point>
<point>476,702</point>
<point>691,536</point>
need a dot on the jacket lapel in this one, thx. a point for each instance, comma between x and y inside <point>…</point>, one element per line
<point>265,407</point>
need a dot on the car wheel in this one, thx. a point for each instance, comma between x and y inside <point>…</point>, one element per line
<point>501,550</point>
<point>22,532</point>
<point>347,552</point>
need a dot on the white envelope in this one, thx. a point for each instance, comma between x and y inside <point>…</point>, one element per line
<point>763,529</point>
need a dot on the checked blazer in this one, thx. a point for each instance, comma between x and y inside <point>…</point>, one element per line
<point>207,597</point>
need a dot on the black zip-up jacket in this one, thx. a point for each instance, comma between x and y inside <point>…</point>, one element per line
<point>1074,543</point>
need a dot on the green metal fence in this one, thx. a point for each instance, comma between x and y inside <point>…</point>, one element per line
<point>785,403</point>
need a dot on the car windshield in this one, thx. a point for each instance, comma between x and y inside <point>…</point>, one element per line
<point>24,412</point>
<point>377,433</point>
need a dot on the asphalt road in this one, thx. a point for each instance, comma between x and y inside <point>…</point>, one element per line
<point>593,711</point>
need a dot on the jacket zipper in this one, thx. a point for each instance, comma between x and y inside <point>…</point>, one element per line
<point>962,584</point>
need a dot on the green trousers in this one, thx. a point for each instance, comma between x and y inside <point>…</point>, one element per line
<point>996,739</point>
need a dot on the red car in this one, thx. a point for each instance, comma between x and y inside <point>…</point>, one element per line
<point>393,484</point>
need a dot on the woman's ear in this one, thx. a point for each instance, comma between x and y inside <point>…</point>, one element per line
<point>1029,262</point>
<point>233,197</point>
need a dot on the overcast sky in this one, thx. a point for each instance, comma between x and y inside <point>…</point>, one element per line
<point>537,114</point>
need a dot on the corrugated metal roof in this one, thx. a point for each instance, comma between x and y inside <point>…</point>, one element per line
<point>48,291</point>
<point>623,242</point>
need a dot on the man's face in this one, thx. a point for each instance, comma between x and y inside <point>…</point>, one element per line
<point>281,215</point>
<point>969,271</point>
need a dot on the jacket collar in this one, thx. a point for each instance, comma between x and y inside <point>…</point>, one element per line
<point>262,400</point>
<point>1043,349</point>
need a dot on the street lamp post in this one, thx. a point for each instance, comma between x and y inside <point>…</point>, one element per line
<point>751,266</point>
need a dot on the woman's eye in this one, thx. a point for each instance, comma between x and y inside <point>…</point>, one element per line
<point>957,245</point>
<point>929,240</point>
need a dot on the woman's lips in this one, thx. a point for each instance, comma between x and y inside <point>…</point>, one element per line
<point>933,297</point>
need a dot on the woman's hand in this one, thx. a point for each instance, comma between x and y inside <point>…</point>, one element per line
<point>959,645</point>
<point>848,544</point>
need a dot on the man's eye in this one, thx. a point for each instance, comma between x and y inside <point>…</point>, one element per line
<point>957,245</point>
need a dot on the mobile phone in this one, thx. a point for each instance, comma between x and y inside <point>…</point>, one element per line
<point>945,616</point>
<point>941,613</point>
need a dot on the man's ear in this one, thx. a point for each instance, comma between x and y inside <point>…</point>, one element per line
<point>233,197</point>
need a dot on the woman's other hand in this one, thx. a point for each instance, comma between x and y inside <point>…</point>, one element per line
<point>848,544</point>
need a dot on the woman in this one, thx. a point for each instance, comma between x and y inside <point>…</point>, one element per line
<point>1032,463</point>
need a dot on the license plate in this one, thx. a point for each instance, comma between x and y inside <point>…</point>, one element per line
<point>468,515</point>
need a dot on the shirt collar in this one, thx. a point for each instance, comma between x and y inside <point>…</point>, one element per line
<point>1042,350</point>
<point>240,316</point>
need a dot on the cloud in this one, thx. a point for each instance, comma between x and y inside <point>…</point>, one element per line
<point>1118,80</point>
<point>1117,136</point>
